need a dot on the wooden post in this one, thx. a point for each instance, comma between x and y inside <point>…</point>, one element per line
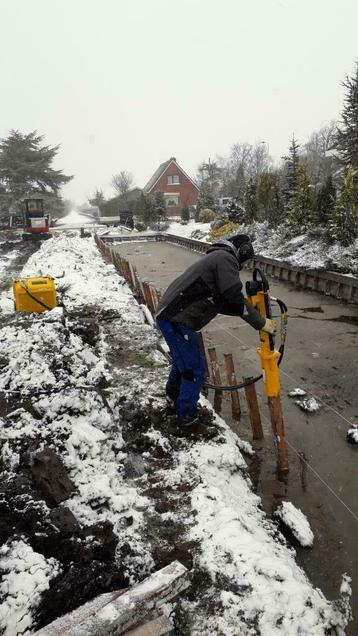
<point>231,379</point>
<point>278,432</point>
<point>153,292</point>
<point>254,413</point>
<point>216,377</point>
<point>148,297</point>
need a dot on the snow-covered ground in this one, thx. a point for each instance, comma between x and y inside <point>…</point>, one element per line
<point>9,251</point>
<point>190,229</point>
<point>75,218</point>
<point>304,251</point>
<point>87,381</point>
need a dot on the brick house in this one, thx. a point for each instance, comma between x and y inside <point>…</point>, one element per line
<point>178,188</point>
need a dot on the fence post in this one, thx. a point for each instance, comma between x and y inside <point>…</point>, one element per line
<point>231,378</point>
<point>254,413</point>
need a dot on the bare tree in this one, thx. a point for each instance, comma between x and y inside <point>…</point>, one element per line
<point>122,181</point>
<point>318,153</point>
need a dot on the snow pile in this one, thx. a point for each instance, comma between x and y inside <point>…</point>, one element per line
<point>352,434</point>
<point>191,229</point>
<point>296,521</point>
<point>24,575</point>
<point>155,494</point>
<point>305,402</point>
<point>303,251</point>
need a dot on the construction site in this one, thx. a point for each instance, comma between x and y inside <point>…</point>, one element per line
<point>116,521</point>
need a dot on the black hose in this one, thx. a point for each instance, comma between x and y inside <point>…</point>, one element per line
<point>281,350</point>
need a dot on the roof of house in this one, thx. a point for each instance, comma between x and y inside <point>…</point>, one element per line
<point>159,171</point>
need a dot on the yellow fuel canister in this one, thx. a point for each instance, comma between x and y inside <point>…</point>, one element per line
<point>35,294</point>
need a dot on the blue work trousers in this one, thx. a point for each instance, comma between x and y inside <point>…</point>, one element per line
<point>187,373</point>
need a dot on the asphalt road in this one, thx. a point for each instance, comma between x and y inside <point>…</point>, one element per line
<point>321,357</point>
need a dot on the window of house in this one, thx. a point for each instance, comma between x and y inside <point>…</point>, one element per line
<point>171,200</point>
<point>173,179</point>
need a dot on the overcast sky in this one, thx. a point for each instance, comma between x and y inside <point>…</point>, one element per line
<point>126,84</point>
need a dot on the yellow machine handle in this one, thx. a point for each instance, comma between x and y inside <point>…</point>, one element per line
<point>269,356</point>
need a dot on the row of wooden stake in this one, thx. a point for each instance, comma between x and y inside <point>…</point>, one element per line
<point>150,296</point>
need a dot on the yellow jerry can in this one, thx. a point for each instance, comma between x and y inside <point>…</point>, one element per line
<point>34,294</point>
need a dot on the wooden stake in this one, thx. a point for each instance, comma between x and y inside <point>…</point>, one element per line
<point>148,297</point>
<point>254,413</point>
<point>278,432</point>
<point>216,378</point>
<point>231,379</point>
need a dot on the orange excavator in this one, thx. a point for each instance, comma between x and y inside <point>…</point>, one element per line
<point>36,222</point>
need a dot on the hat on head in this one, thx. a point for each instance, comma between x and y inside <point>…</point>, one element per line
<point>243,245</point>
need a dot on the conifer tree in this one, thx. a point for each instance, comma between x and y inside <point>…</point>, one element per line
<point>291,174</point>
<point>185,213</point>
<point>250,202</point>
<point>347,133</point>
<point>26,168</point>
<point>326,198</point>
<point>160,209</point>
<point>300,217</point>
<point>343,226</point>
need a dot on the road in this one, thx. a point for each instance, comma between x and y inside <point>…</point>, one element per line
<point>321,357</point>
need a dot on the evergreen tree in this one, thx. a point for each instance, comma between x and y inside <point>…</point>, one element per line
<point>270,205</point>
<point>144,210</point>
<point>343,226</point>
<point>234,212</point>
<point>326,198</point>
<point>26,169</point>
<point>185,213</point>
<point>97,198</point>
<point>250,202</point>
<point>300,217</point>
<point>347,133</point>
<point>290,174</point>
<point>159,207</point>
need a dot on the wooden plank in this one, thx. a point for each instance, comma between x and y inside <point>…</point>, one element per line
<point>117,612</point>
<point>160,626</point>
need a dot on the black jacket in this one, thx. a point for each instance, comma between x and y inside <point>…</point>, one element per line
<point>209,287</point>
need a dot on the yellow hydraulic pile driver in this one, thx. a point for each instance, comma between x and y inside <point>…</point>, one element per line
<point>258,292</point>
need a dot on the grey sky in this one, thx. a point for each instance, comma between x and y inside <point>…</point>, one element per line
<point>125,84</point>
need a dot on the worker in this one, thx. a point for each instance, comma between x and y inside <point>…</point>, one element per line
<point>210,286</point>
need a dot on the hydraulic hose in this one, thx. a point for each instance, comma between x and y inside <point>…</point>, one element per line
<point>281,350</point>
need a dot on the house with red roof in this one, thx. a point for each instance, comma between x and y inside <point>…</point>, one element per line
<point>178,188</point>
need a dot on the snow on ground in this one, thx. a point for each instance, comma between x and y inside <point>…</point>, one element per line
<point>306,250</point>
<point>24,576</point>
<point>189,230</point>
<point>9,252</point>
<point>296,521</point>
<point>75,218</point>
<point>302,251</point>
<point>96,383</point>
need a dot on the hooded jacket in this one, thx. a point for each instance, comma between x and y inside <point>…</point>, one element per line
<point>210,286</point>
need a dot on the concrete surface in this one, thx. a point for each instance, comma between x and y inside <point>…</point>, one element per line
<point>321,357</point>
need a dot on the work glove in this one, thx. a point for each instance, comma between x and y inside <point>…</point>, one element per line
<point>269,327</point>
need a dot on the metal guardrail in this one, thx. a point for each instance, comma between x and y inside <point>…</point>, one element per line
<point>329,283</point>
